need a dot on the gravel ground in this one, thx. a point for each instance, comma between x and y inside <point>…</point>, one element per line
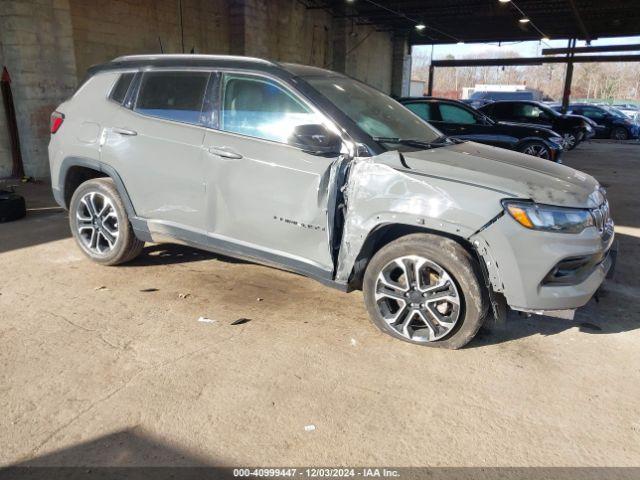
<point>111,365</point>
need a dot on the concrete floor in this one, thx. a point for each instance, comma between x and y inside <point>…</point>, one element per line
<point>95,369</point>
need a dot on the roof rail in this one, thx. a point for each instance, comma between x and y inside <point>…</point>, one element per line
<point>187,56</point>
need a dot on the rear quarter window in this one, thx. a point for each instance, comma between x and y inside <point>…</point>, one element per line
<point>121,87</point>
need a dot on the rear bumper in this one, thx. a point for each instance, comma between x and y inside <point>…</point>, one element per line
<point>520,262</point>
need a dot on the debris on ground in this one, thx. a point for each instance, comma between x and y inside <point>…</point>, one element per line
<point>206,320</point>
<point>184,295</point>
<point>259,299</point>
<point>240,321</point>
<point>101,287</point>
<point>145,290</point>
<point>309,428</point>
<point>353,342</point>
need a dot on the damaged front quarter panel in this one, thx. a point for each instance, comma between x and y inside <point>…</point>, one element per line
<point>385,190</point>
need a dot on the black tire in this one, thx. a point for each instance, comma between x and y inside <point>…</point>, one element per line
<point>535,145</point>
<point>12,206</point>
<point>460,266</point>
<point>620,133</point>
<point>126,246</point>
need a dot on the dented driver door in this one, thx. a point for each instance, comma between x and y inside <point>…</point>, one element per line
<point>262,192</point>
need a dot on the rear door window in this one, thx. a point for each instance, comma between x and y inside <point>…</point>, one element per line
<point>176,96</point>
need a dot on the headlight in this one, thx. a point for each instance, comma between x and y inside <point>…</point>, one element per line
<point>548,217</point>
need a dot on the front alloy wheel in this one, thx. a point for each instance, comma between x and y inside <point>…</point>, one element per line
<point>537,150</point>
<point>425,289</point>
<point>417,298</point>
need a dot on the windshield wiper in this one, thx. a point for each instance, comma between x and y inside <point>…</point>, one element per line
<point>404,141</point>
<point>441,141</point>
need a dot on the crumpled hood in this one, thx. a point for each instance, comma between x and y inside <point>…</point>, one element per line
<point>515,174</point>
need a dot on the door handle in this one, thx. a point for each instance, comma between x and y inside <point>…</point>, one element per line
<point>224,152</point>
<point>125,131</point>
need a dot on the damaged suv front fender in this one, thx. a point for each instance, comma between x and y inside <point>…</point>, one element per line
<point>383,190</point>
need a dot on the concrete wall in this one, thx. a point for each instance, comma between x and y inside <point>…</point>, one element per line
<point>123,27</point>
<point>49,44</point>
<point>37,48</point>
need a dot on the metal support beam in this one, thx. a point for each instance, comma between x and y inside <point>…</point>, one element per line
<point>568,78</point>
<point>583,28</point>
<point>432,71</point>
<point>499,62</point>
<point>598,49</point>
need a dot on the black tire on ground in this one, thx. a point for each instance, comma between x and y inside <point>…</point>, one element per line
<point>12,206</point>
<point>127,246</point>
<point>460,266</point>
<point>536,148</point>
<point>620,133</point>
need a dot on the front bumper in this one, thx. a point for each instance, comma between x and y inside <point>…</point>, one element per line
<point>520,261</point>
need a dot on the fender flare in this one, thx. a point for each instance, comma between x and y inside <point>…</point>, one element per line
<point>99,166</point>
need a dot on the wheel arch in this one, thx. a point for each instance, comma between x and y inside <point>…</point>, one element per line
<point>385,233</point>
<point>76,170</point>
<point>526,140</point>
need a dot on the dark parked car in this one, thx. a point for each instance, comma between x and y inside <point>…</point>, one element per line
<point>478,99</point>
<point>461,121</point>
<point>611,124</point>
<point>572,128</point>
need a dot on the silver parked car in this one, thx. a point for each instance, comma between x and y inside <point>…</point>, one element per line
<point>314,172</point>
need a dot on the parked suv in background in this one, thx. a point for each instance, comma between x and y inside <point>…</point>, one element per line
<point>317,173</point>
<point>478,99</point>
<point>458,120</point>
<point>610,124</point>
<point>573,129</point>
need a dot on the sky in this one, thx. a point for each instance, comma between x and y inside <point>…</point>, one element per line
<point>524,49</point>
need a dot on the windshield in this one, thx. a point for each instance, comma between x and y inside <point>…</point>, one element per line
<point>615,112</point>
<point>373,111</point>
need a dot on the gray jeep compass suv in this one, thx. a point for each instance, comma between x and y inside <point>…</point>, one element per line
<point>311,171</point>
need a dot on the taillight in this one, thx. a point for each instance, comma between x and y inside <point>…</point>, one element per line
<point>56,121</point>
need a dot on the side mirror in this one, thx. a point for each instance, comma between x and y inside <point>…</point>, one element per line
<point>316,139</point>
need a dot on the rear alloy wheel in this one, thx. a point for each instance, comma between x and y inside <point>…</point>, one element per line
<point>100,225</point>
<point>537,149</point>
<point>425,289</point>
<point>620,133</point>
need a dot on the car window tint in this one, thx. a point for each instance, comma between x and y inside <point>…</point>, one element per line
<point>422,109</point>
<point>120,89</point>
<point>172,95</point>
<point>455,114</point>
<point>502,110</point>
<point>260,108</point>
<point>529,111</point>
<point>594,113</point>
